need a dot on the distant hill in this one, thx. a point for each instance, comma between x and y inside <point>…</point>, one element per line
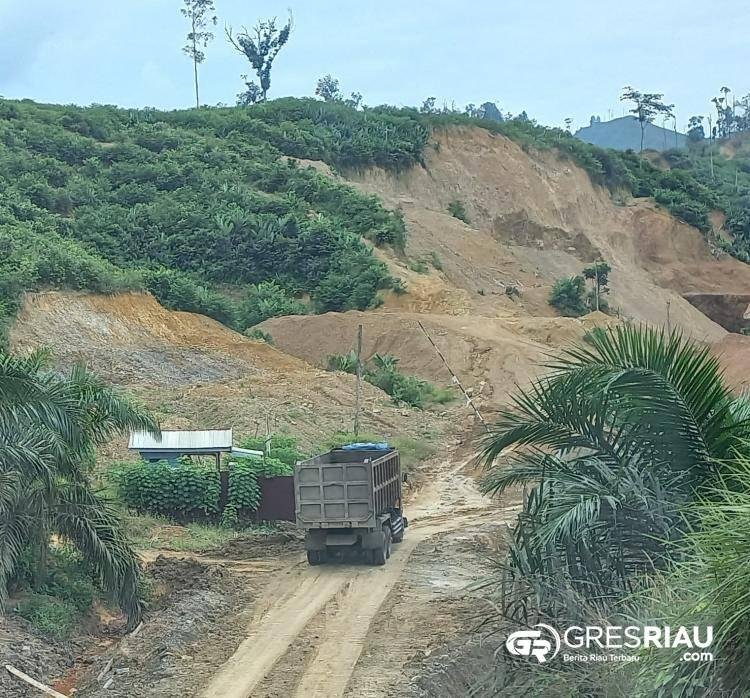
<point>625,134</point>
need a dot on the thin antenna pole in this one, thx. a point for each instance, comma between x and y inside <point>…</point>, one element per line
<point>456,379</point>
<point>359,381</point>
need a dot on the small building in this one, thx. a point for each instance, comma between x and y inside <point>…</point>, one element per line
<point>172,445</point>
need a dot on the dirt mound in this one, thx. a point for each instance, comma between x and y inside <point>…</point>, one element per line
<point>197,373</point>
<point>132,338</point>
<point>489,354</point>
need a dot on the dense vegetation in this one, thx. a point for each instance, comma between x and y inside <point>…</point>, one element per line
<point>191,491</point>
<point>636,455</point>
<point>50,426</point>
<point>571,296</point>
<point>188,203</point>
<point>202,208</point>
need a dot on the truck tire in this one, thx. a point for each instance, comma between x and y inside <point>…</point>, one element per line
<point>316,557</point>
<point>399,536</point>
<point>381,554</point>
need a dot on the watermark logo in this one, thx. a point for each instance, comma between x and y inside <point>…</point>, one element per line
<point>543,643</point>
<point>593,643</point>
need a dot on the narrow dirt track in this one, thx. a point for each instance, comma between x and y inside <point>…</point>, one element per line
<point>357,592</point>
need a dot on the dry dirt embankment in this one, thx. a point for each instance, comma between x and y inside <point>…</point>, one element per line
<point>533,218</point>
<point>196,373</point>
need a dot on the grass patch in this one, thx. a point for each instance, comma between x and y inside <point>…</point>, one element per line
<point>419,266</point>
<point>148,532</point>
<point>50,615</point>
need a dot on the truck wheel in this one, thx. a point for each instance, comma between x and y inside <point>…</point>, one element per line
<point>399,536</point>
<point>315,557</point>
<point>381,554</point>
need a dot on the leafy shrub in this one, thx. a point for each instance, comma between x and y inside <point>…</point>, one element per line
<point>284,449</point>
<point>259,335</point>
<point>458,210</point>
<point>188,491</point>
<point>568,296</point>
<point>382,371</point>
<point>184,490</point>
<point>435,260</point>
<point>52,616</point>
<point>267,300</point>
<point>347,363</point>
<point>419,266</point>
<point>177,291</point>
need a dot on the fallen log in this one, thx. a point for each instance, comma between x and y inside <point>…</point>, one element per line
<point>33,682</point>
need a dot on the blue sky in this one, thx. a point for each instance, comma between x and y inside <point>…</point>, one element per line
<point>552,58</point>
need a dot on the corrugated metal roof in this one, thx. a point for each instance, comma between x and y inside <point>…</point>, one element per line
<point>219,439</point>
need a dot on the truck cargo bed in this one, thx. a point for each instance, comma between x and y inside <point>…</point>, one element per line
<point>345,488</point>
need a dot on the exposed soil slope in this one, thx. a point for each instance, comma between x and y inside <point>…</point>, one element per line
<point>490,355</point>
<point>535,217</point>
<point>198,373</point>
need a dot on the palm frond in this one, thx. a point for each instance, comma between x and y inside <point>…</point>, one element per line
<point>92,525</point>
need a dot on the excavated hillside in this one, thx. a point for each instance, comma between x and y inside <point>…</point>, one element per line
<point>196,373</point>
<point>533,218</point>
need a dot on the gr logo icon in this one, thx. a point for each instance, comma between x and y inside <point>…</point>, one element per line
<point>542,643</point>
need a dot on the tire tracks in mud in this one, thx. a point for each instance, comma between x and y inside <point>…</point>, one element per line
<point>351,595</point>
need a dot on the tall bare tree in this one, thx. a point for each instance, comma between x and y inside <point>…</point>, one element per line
<point>261,48</point>
<point>200,14</point>
<point>647,105</point>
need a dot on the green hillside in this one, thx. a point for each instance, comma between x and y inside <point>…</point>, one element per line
<point>188,204</point>
<point>202,208</point>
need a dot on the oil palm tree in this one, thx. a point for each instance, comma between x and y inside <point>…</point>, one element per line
<point>625,430</point>
<point>50,426</point>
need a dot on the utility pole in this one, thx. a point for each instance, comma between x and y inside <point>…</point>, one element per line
<point>596,276</point>
<point>669,323</point>
<point>359,381</point>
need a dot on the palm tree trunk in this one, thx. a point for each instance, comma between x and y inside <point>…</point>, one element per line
<point>41,543</point>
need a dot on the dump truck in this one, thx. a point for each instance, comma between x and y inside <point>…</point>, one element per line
<point>349,500</point>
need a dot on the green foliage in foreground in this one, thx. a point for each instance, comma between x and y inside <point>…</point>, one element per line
<point>50,426</point>
<point>636,455</point>
<point>627,429</point>
<point>66,594</point>
<point>50,615</point>
<point>706,583</point>
<point>382,371</point>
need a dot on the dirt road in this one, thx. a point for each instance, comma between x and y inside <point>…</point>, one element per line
<point>309,630</point>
